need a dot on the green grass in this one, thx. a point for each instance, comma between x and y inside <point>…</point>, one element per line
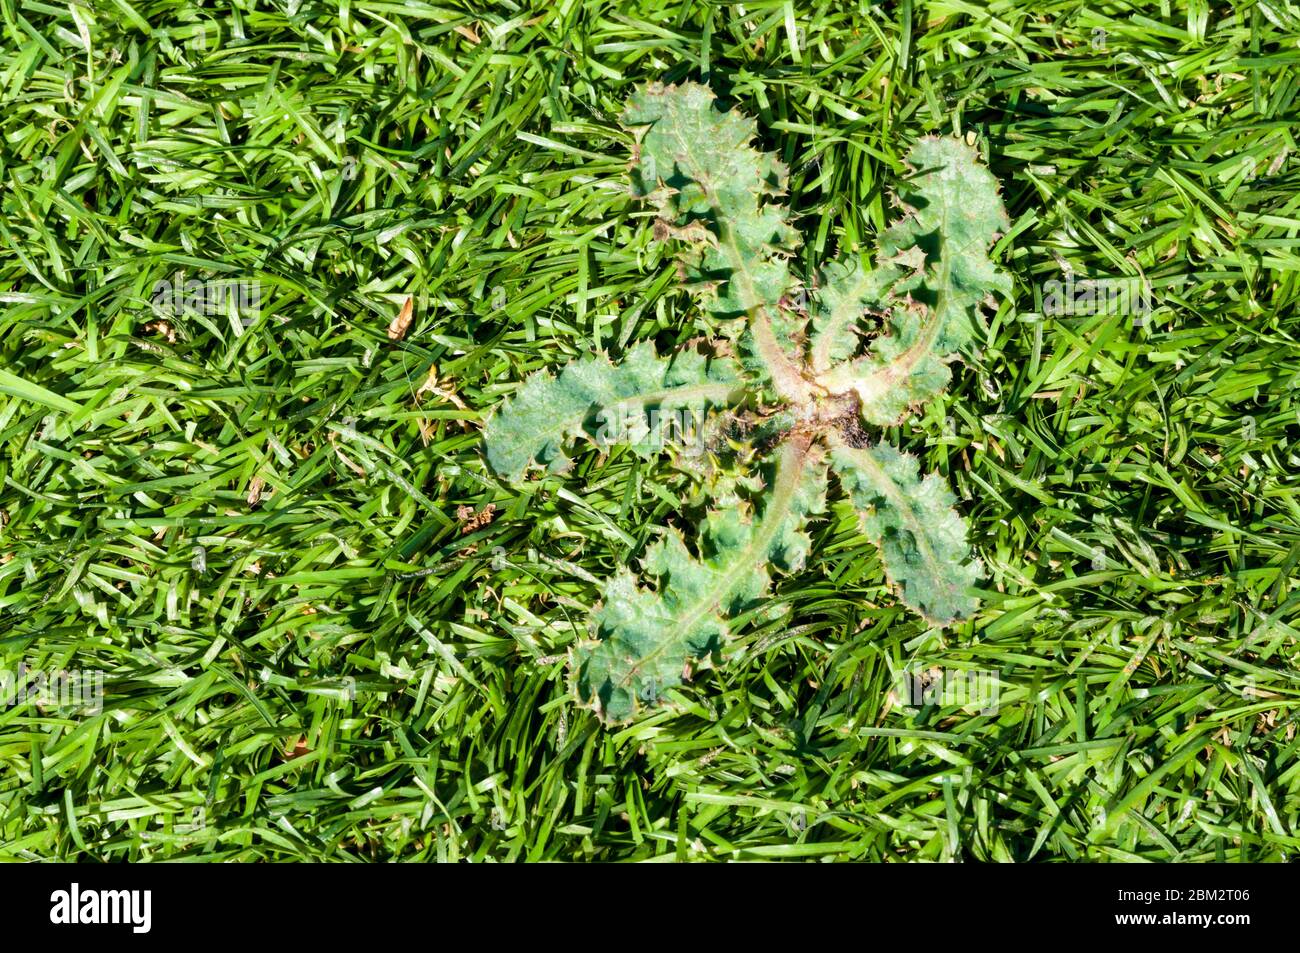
<point>1132,489</point>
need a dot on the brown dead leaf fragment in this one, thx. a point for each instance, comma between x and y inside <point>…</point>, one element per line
<point>471,521</point>
<point>432,385</point>
<point>162,328</point>
<point>398,327</point>
<point>427,431</point>
<point>255,487</point>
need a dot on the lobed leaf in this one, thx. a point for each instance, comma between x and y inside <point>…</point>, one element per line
<point>921,537</point>
<point>713,190</point>
<point>646,638</point>
<point>845,291</point>
<point>604,403</point>
<point>902,370</point>
<point>954,215</point>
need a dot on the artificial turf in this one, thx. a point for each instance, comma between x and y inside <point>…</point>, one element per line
<point>327,631</point>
